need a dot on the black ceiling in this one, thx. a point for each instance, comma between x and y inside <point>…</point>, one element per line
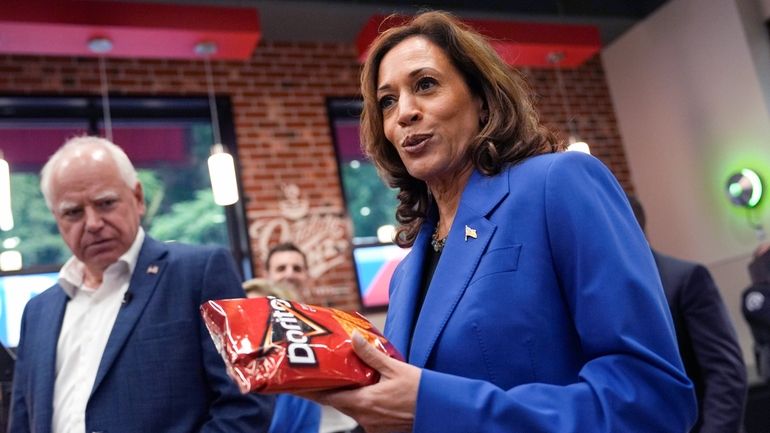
<point>341,20</point>
<point>634,9</point>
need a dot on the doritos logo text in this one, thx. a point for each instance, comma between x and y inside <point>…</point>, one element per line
<point>290,325</point>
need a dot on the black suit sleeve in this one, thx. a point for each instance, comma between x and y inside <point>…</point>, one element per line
<point>230,411</point>
<point>715,347</point>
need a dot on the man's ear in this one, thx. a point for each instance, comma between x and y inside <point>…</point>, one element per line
<point>138,194</point>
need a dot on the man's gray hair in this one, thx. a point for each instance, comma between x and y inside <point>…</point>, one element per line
<point>125,167</point>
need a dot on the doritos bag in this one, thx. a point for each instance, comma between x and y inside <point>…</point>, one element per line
<point>273,345</point>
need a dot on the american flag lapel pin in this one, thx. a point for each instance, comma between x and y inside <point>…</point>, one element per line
<point>152,269</point>
<point>470,233</point>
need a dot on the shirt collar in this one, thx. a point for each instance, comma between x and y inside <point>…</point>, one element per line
<point>71,274</point>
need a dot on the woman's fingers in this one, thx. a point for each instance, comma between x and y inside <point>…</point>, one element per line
<point>368,353</point>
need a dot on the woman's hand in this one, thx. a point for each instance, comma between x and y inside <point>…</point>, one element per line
<point>388,405</point>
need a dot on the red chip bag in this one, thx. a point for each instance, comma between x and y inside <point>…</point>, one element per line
<point>274,345</point>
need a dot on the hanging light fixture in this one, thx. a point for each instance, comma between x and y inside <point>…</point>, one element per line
<point>221,164</point>
<point>745,189</point>
<point>6,214</point>
<point>575,143</point>
<point>102,46</point>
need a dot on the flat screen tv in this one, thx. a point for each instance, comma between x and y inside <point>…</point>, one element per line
<point>15,291</point>
<point>374,267</point>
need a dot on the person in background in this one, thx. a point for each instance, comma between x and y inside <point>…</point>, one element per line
<point>286,265</point>
<point>287,269</point>
<point>756,308</point>
<point>261,287</point>
<point>529,301</point>
<point>292,414</point>
<point>707,340</point>
<point>118,345</point>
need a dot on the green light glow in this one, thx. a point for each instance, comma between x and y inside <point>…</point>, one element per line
<point>731,156</point>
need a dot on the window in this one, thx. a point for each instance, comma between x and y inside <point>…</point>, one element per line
<point>370,203</point>
<point>167,139</point>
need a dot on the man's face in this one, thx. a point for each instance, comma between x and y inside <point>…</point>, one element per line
<point>98,215</point>
<point>288,267</point>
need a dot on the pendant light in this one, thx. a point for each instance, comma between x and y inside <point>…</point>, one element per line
<point>224,184</point>
<point>575,143</point>
<point>102,46</point>
<point>6,214</point>
<point>745,189</point>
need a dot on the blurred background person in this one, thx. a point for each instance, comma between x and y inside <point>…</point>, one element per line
<point>707,340</point>
<point>756,308</point>
<point>529,300</point>
<point>287,274</point>
<point>286,265</point>
<point>261,287</point>
<point>292,414</point>
<point>118,345</point>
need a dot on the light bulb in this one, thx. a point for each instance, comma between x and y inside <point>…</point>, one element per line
<point>10,260</point>
<point>386,233</point>
<point>222,173</point>
<point>579,146</point>
<point>6,215</point>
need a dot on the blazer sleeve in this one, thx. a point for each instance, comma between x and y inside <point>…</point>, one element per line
<point>632,379</point>
<point>18,416</point>
<point>230,411</point>
<point>716,349</point>
<point>295,415</point>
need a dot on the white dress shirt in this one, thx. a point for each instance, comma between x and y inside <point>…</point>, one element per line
<point>88,320</point>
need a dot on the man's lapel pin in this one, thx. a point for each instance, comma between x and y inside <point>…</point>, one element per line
<point>469,233</point>
<point>152,269</point>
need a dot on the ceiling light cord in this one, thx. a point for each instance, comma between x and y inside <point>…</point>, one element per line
<point>555,59</point>
<point>105,97</point>
<point>212,100</point>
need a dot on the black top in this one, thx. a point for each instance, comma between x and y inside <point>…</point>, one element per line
<point>429,267</point>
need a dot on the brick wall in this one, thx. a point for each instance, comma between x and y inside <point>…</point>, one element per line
<point>283,136</point>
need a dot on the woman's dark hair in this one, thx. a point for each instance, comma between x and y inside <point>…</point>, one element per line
<point>511,133</point>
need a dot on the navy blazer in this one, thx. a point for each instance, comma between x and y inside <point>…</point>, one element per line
<point>707,342</point>
<point>160,371</point>
<point>545,312</point>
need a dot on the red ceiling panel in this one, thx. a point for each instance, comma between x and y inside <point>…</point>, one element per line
<point>518,43</point>
<point>138,30</point>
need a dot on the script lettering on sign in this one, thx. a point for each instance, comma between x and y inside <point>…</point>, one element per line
<point>322,232</point>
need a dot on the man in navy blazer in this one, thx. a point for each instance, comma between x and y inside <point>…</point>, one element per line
<point>118,345</point>
<point>707,341</point>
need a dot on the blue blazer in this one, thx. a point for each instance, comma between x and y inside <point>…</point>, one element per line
<point>160,371</point>
<point>545,312</point>
<point>295,415</point>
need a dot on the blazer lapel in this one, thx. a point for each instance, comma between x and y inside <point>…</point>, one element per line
<point>53,313</point>
<point>398,327</point>
<point>149,268</point>
<point>467,240</point>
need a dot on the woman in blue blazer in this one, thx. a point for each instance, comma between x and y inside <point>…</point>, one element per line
<point>530,301</point>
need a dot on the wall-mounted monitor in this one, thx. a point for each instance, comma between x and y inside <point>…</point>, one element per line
<point>374,267</point>
<point>15,292</point>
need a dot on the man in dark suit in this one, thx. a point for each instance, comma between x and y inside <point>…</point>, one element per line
<point>707,341</point>
<point>756,308</point>
<point>118,344</point>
